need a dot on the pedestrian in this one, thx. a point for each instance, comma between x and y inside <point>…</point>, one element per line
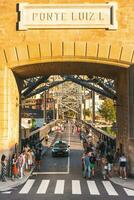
<point>110,160</point>
<point>87,169</point>
<point>104,167</point>
<point>14,166</point>
<point>98,158</point>
<point>37,159</point>
<point>92,164</point>
<point>117,156</point>
<point>29,159</point>
<point>102,148</point>
<point>123,166</point>
<point>20,165</point>
<point>3,168</point>
<point>83,166</point>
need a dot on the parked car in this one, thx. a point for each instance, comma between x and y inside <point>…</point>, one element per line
<point>60,148</point>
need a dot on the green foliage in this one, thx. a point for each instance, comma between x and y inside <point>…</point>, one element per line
<point>87,112</point>
<point>107,110</point>
<point>70,113</point>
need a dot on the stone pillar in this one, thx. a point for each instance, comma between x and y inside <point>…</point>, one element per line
<point>131,119</point>
<point>9,111</point>
<point>125,115</point>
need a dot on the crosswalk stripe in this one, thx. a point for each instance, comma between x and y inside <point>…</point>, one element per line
<point>93,188</point>
<point>59,189</point>
<point>76,188</point>
<point>129,192</point>
<point>26,188</point>
<point>43,187</point>
<point>109,188</point>
<point>7,192</point>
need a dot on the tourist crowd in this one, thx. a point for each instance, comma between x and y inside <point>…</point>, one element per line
<point>100,156</point>
<point>20,163</point>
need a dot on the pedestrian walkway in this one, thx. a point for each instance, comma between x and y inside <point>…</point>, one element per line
<point>129,183</point>
<point>75,188</point>
<point>9,184</point>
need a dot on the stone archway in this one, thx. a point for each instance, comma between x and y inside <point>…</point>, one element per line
<point>28,60</point>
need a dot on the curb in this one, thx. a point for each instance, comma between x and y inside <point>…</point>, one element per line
<point>123,183</point>
<point>16,184</point>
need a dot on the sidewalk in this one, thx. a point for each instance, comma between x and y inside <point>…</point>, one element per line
<point>6,186</point>
<point>129,183</point>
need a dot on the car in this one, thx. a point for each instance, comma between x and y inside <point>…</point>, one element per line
<point>60,148</point>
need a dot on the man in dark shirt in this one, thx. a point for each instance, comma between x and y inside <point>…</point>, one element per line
<point>110,160</point>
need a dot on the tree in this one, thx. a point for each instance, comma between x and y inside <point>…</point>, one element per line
<point>87,112</point>
<point>107,110</point>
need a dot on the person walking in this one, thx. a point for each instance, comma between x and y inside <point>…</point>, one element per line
<point>123,166</point>
<point>87,169</point>
<point>37,159</point>
<point>20,165</point>
<point>110,160</point>
<point>83,166</point>
<point>92,164</point>
<point>104,166</point>
<point>3,168</point>
<point>14,166</point>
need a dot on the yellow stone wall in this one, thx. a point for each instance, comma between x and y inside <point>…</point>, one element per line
<point>9,110</point>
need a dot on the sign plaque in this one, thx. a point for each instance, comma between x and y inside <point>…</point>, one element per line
<point>56,16</point>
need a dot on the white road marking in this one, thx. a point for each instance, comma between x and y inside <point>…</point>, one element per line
<point>109,188</point>
<point>26,188</point>
<point>93,188</point>
<point>59,189</point>
<point>43,187</point>
<point>76,188</point>
<point>35,173</point>
<point>7,192</point>
<point>129,192</point>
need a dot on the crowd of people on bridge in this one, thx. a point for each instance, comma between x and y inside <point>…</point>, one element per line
<point>100,156</point>
<point>20,163</point>
<point>96,156</point>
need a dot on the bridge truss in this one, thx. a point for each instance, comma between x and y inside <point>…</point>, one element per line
<point>36,85</point>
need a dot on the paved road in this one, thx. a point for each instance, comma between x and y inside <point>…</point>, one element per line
<point>61,178</point>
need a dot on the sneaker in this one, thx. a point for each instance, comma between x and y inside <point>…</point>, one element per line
<point>120,176</point>
<point>125,178</point>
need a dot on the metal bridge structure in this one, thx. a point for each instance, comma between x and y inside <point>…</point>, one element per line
<point>100,85</point>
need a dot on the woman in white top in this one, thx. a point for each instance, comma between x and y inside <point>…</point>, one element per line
<point>123,166</point>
